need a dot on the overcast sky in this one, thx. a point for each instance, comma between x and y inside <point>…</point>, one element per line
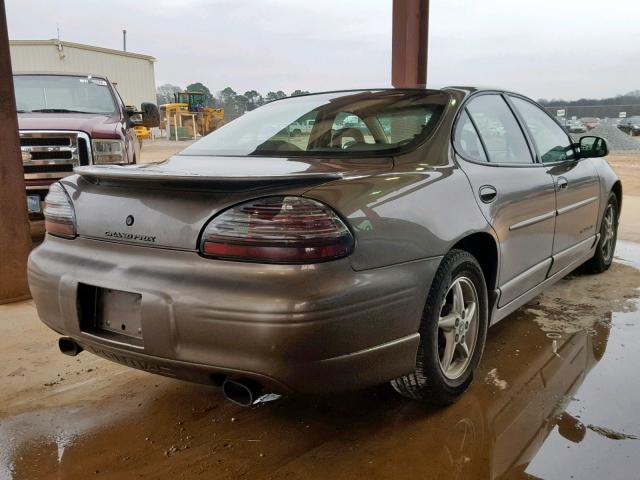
<point>544,48</point>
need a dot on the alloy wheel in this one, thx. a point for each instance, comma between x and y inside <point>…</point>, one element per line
<point>608,233</point>
<point>458,328</point>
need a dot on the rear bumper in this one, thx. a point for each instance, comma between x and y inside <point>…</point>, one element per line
<point>319,328</point>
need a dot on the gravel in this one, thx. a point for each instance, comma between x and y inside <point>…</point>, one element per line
<point>616,138</point>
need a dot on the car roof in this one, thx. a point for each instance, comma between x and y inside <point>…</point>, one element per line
<point>466,90</point>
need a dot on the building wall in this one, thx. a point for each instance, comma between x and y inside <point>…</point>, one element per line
<point>133,73</point>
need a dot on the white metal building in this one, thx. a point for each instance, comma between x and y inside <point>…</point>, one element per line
<point>132,73</point>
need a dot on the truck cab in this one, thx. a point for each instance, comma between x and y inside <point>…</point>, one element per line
<point>300,127</point>
<point>67,120</point>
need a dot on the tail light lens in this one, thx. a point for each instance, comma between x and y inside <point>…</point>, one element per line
<point>279,230</point>
<point>59,216</point>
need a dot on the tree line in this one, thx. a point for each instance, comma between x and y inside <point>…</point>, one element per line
<point>234,104</point>
<point>631,98</point>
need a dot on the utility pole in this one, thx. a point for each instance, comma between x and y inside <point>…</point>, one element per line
<point>15,238</point>
<point>409,43</point>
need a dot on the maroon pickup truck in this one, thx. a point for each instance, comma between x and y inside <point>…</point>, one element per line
<point>67,120</point>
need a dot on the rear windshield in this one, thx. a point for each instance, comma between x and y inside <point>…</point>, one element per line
<point>62,94</point>
<point>328,124</point>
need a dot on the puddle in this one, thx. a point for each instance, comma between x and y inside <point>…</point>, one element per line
<point>493,379</point>
<point>604,405</point>
<point>628,253</point>
<point>555,396</point>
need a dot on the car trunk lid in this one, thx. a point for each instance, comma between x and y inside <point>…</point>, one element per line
<point>167,204</point>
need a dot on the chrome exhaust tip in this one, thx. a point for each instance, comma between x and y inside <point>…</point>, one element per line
<point>69,347</point>
<point>243,392</point>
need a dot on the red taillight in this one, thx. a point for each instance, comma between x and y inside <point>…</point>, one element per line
<point>59,216</point>
<point>278,229</point>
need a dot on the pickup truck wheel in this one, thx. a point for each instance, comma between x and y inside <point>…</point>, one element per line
<point>452,332</point>
<point>603,256</point>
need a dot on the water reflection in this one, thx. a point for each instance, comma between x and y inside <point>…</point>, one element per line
<point>531,413</point>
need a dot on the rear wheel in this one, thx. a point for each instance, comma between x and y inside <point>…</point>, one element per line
<point>452,333</point>
<point>603,256</point>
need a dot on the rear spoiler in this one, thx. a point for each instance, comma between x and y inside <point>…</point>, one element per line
<point>117,175</point>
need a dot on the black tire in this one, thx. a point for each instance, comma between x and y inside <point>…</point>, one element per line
<point>602,258</point>
<point>428,382</point>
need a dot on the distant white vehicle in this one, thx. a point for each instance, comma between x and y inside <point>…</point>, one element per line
<point>576,126</point>
<point>298,128</point>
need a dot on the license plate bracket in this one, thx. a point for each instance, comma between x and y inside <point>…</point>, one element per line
<point>111,313</point>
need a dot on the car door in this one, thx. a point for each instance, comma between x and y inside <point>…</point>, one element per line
<point>133,144</point>
<point>514,193</point>
<point>576,180</point>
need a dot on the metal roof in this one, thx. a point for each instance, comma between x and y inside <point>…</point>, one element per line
<point>54,42</point>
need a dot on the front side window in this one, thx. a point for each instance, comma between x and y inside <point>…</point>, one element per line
<point>329,124</point>
<point>553,144</point>
<point>499,130</point>
<point>62,94</point>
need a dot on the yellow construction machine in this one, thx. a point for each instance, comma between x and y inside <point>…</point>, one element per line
<point>188,116</point>
<point>143,133</point>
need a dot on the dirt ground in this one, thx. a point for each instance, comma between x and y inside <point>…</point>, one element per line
<point>555,397</point>
<point>628,169</point>
<point>160,149</point>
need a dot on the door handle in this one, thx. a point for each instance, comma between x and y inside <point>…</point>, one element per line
<point>562,183</point>
<point>488,193</point>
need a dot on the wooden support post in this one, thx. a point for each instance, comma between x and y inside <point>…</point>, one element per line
<point>410,41</point>
<point>15,238</point>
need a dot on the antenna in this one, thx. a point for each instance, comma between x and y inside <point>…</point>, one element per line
<point>124,40</point>
<point>59,45</point>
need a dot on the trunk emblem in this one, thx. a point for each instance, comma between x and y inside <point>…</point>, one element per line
<point>129,220</point>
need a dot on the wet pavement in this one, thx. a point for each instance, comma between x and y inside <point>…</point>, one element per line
<point>556,397</point>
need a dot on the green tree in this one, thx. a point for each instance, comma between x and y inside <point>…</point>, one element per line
<point>254,99</point>
<point>295,93</point>
<point>227,96</point>
<point>275,95</point>
<point>242,104</point>
<point>165,93</point>
<point>234,104</point>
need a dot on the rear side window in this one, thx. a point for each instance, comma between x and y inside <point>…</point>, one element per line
<point>552,142</point>
<point>499,130</point>
<point>467,140</point>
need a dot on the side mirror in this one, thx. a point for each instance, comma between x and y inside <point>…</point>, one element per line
<point>593,147</point>
<point>150,115</point>
<point>134,116</point>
